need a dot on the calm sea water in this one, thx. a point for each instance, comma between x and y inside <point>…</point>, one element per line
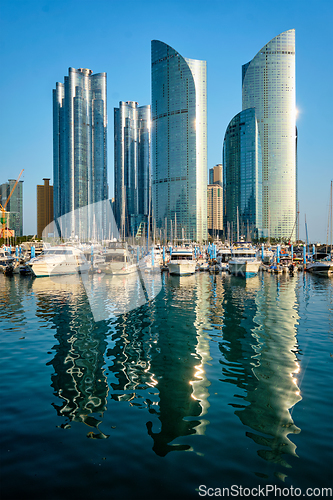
<point>218,381</point>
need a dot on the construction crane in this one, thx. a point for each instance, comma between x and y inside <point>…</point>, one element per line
<point>3,208</point>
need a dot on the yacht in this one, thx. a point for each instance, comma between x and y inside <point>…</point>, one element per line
<point>268,256</point>
<point>223,255</point>
<point>244,261</point>
<point>119,260</point>
<point>182,262</point>
<point>5,258</point>
<point>59,260</point>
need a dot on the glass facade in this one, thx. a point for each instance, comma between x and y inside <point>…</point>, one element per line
<point>242,177</point>
<point>79,141</point>
<point>14,206</point>
<point>179,144</point>
<point>268,85</point>
<point>131,166</point>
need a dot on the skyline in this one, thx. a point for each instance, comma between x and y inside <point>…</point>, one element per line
<point>42,39</point>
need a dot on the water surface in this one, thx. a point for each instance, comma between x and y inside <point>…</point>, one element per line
<point>218,381</point>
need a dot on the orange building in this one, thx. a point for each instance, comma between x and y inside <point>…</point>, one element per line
<point>44,206</point>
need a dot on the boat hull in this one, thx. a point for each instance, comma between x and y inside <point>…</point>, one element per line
<point>323,268</point>
<point>120,271</point>
<point>181,268</point>
<point>243,267</point>
<point>41,270</point>
<point>59,261</point>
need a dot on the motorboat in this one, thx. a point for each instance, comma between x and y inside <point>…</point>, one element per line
<point>204,266</point>
<point>244,266</point>
<point>223,255</point>
<point>267,256</point>
<point>119,260</point>
<point>5,258</point>
<point>8,270</point>
<point>323,267</point>
<point>244,261</point>
<point>182,262</point>
<point>25,270</point>
<point>59,260</point>
<point>94,255</point>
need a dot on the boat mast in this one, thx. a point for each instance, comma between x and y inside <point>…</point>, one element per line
<point>306,232</point>
<point>237,224</point>
<point>331,219</point>
<point>297,224</point>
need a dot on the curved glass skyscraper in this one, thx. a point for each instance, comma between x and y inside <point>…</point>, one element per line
<point>242,173</point>
<point>79,141</point>
<point>268,85</point>
<point>131,166</point>
<point>179,143</point>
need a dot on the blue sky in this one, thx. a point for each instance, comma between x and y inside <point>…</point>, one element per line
<point>40,40</point>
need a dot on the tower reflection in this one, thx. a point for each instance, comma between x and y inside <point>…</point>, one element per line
<point>159,362</point>
<point>78,379</point>
<point>180,365</point>
<point>259,352</point>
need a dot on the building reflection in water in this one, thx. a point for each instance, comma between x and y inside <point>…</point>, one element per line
<point>78,379</point>
<point>259,350</point>
<point>163,350</point>
<point>113,295</point>
<point>13,292</point>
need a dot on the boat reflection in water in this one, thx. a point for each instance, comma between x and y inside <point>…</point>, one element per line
<point>78,379</point>
<point>264,344</point>
<point>112,295</point>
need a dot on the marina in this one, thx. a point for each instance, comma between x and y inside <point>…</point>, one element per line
<point>215,381</point>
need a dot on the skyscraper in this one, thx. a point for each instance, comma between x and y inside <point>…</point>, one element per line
<point>14,206</point>
<point>79,141</point>
<point>131,166</point>
<point>215,175</point>
<point>44,206</point>
<point>215,210</point>
<point>268,85</point>
<point>242,177</point>
<point>179,143</point>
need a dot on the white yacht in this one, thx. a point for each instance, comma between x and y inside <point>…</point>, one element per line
<point>267,256</point>
<point>59,260</point>
<point>223,255</point>
<point>182,262</point>
<point>244,261</point>
<point>5,258</point>
<point>119,260</point>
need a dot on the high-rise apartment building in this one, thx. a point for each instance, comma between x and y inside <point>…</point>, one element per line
<point>179,143</point>
<point>14,206</point>
<point>44,206</point>
<point>215,210</point>
<point>215,175</point>
<point>268,85</point>
<point>79,141</point>
<point>132,167</point>
<point>242,177</point>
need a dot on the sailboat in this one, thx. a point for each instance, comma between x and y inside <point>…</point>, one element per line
<point>323,267</point>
